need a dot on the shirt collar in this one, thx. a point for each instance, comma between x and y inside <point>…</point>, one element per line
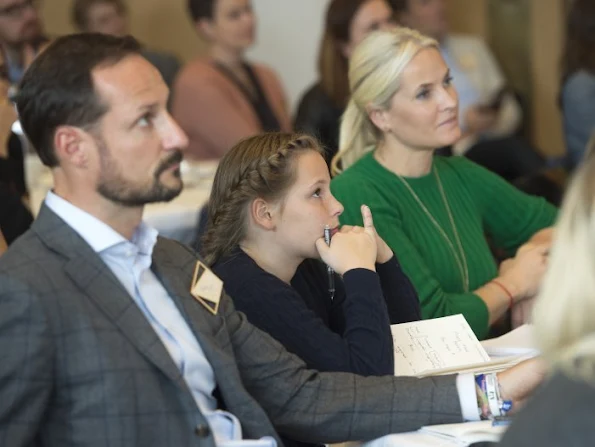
<point>96,233</point>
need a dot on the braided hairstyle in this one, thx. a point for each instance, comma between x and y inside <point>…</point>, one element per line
<point>262,166</point>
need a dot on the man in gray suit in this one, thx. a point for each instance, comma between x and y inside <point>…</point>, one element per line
<point>103,344</point>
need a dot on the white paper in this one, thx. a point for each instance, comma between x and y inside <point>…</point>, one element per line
<point>517,342</point>
<point>428,346</point>
<point>413,439</point>
<point>467,432</point>
<point>447,435</point>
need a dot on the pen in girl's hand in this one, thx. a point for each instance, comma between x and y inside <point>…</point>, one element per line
<point>329,270</point>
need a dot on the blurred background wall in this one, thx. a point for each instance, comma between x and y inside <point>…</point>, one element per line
<point>526,36</point>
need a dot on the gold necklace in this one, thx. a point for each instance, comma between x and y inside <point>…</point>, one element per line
<point>462,260</point>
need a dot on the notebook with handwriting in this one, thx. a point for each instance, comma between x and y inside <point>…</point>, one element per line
<point>436,346</point>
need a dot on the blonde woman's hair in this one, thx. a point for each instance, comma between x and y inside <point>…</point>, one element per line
<point>564,313</point>
<point>262,166</point>
<point>375,70</point>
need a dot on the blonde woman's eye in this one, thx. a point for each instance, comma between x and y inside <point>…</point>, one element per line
<point>145,120</point>
<point>424,94</point>
<point>317,193</point>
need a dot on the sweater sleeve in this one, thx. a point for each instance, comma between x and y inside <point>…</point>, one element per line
<point>400,295</point>
<point>509,215</point>
<point>364,348</point>
<point>435,301</point>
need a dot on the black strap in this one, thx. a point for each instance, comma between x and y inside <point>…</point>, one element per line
<point>259,103</point>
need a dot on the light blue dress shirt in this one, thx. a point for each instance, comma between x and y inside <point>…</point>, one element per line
<point>578,113</point>
<point>131,261</point>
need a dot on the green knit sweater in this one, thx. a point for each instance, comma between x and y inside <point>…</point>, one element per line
<point>481,203</point>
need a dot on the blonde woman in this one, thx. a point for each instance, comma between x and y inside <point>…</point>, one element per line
<point>562,413</point>
<point>433,212</point>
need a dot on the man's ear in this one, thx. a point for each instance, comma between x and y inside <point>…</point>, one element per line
<point>73,146</point>
<point>263,214</point>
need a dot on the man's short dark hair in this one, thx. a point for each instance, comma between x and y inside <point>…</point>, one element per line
<point>201,9</point>
<point>57,89</point>
<point>80,10</point>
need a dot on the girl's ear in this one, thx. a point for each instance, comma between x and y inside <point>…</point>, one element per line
<point>262,213</point>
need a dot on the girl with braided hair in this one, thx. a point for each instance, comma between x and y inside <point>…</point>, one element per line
<point>268,208</point>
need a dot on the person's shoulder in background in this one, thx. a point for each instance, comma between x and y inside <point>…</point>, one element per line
<point>578,113</point>
<point>15,218</point>
<point>578,89</point>
<point>314,97</point>
<point>466,42</point>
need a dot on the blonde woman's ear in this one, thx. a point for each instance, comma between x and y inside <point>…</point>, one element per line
<point>378,118</point>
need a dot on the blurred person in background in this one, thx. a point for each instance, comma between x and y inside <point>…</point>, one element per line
<point>577,96</point>
<point>320,108</point>
<point>15,216</point>
<point>21,35</point>
<point>111,17</point>
<point>221,98</point>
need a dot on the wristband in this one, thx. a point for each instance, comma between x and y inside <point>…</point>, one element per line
<point>489,401</point>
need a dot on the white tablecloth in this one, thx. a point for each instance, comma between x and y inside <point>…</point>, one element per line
<point>176,219</point>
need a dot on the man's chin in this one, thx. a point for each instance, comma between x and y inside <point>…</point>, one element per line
<point>139,199</point>
<point>169,194</point>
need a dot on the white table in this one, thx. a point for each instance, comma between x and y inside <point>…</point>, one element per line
<point>176,219</point>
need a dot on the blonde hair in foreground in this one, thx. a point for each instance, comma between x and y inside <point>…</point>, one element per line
<point>564,312</point>
<point>375,70</point>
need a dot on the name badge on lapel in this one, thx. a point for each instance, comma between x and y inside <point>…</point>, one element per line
<point>206,287</point>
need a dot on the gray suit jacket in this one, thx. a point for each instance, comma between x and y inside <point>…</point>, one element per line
<point>81,366</point>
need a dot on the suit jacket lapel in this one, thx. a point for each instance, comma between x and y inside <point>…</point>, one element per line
<point>97,281</point>
<point>176,278</point>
